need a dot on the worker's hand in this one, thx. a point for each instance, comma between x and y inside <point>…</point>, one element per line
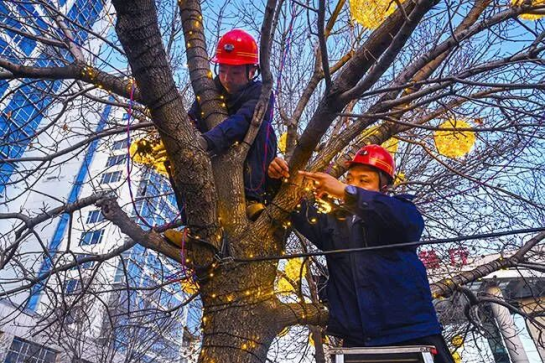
<point>278,169</point>
<point>324,183</point>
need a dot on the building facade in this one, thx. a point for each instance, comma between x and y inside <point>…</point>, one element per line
<point>128,307</point>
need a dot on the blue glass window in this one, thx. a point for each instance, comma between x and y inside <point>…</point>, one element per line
<point>116,160</point>
<point>91,237</point>
<point>111,177</point>
<point>94,217</point>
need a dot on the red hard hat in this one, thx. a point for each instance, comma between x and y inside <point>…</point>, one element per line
<point>236,48</point>
<point>375,156</point>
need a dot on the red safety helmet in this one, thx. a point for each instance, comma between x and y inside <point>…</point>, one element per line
<point>236,48</point>
<point>375,156</point>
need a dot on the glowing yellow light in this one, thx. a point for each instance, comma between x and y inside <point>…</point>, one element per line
<point>214,295</point>
<point>211,275</point>
<point>285,180</point>
<point>244,346</point>
<point>311,339</point>
<point>209,74</point>
<point>313,220</point>
<point>529,16</point>
<point>453,143</point>
<point>371,13</point>
<point>324,207</point>
<point>188,44</point>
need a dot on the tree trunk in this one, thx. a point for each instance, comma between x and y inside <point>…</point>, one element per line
<point>239,303</point>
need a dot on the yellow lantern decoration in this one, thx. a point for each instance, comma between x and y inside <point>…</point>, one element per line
<point>282,143</point>
<point>150,153</point>
<point>189,286</point>
<point>453,143</point>
<point>399,178</point>
<point>292,272</point>
<point>391,144</point>
<point>457,341</point>
<point>529,16</point>
<point>371,13</point>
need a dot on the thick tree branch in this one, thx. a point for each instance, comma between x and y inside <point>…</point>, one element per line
<point>151,240</point>
<point>301,314</point>
<point>447,286</point>
<point>118,85</point>
<point>140,36</point>
<point>212,106</point>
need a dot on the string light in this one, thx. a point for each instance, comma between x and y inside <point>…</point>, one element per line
<point>324,207</point>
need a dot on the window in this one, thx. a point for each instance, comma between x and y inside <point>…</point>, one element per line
<point>119,144</point>
<point>94,217</point>
<point>91,237</point>
<point>111,177</point>
<point>116,160</point>
<point>23,351</point>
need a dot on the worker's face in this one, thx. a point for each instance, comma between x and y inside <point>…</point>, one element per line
<point>234,78</point>
<point>364,177</point>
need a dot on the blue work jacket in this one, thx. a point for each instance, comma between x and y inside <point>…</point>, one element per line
<point>376,297</point>
<point>240,108</point>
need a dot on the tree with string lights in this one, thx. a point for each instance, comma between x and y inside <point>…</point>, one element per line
<point>453,89</point>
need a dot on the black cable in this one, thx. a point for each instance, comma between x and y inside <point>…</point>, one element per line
<point>391,246</point>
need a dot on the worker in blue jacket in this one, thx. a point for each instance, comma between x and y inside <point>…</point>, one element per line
<point>378,297</point>
<point>237,59</point>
